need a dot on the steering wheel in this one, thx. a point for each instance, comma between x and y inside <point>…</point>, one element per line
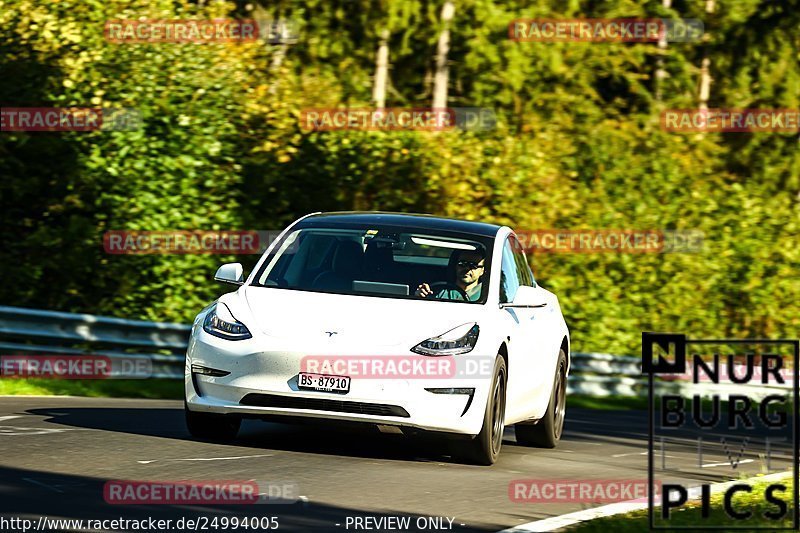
<point>448,285</point>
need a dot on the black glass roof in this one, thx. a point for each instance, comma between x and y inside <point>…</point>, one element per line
<point>409,221</point>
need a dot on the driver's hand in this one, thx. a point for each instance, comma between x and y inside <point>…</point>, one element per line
<point>423,291</point>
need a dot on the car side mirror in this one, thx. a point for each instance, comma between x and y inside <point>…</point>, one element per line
<point>230,273</point>
<point>527,297</point>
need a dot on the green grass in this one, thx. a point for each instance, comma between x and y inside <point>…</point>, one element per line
<point>690,515</point>
<point>610,403</point>
<point>112,388</point>
<point>607,403</point>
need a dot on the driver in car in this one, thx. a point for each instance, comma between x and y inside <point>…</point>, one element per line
<point>469,270</point>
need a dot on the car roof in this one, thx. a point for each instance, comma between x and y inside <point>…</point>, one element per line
<point>406,220</point>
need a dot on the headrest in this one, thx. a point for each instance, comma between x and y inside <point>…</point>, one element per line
<point>347,258</point>
<point>376,259</point>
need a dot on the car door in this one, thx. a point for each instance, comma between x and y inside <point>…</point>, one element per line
<point>530,361</point>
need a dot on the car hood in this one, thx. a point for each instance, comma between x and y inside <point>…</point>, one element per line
<point>360,320</point>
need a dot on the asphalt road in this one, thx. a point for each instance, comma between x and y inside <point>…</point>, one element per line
<point>58,452</point>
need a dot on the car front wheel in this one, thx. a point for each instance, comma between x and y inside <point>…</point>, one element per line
<point>485,447</point>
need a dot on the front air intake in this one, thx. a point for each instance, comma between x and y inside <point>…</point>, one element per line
<point>323,404</point>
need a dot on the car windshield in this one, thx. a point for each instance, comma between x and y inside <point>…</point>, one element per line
<point>382,261</point>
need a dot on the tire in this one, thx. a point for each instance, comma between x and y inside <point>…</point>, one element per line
<point>211,426</point>
<point>485,447</point>
<point>547,432</point>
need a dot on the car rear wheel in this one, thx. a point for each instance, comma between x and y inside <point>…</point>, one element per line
<point>485,447</point>
<point>211,426</point>
<point>547,432</point>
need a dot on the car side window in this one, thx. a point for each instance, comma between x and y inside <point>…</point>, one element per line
<point>509,276</point>
<point>525,275</point>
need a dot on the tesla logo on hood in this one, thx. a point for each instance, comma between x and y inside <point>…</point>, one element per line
<point>331,333</point>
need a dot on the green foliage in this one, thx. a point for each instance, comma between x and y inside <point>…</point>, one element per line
<point>166,389</point>
<point>578,145</point>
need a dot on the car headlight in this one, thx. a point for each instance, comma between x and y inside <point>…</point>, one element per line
<point>220,322</point>
<point>456,341</point>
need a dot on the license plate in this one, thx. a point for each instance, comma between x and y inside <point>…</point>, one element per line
<point>323,383</point>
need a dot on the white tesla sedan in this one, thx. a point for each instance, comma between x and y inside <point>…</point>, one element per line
<point>412,323</point>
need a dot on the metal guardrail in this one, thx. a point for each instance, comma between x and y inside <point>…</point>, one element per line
<point>32,331</point>
<point>602,374</point>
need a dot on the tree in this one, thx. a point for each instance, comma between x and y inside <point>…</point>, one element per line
<point>440,76</point>
<point>381,70</point>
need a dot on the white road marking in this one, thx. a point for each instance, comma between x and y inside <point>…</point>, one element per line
<point>627,454</point>
<point>10,430</point>
<point>18,430</point>
<point>640,453</point>
<point>710,465</point>
<point>206,458</point>
<point>570,519</point>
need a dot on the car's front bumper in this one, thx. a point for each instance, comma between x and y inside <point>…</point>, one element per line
<point>263,383</point>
